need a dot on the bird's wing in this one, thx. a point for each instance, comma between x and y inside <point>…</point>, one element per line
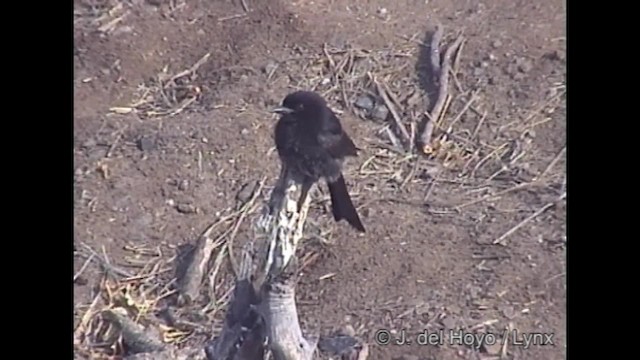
<point>333,138</point>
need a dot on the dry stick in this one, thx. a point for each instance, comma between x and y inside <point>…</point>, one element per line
<point>464,110</point>
<point>83,268</point>
<point>503,192</point>
<point>435,52</point>
<point>134,335</point>
<point>191,70</point>
<point>443,83</point>
<point>244,6</point>
<point>189,283</point>
<point>475,131</point>
<point>501,239</point>
<point>394,113</point>
<point>552,163</point>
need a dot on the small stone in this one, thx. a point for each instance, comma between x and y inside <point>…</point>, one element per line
<point>380,112</point>
<point>525,65</point>
<point>146,143</point>
<point>186,208</point>
<point>205,140</point>
<point>479,71</point>
<point>365,102</point>
<point>184,185</point>
<point>556,55</point>
<point>244,131</point>
<point>496,44</point>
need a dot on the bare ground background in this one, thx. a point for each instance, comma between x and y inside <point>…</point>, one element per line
<point>160,155</point>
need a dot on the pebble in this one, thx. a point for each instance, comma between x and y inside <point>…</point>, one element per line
<point>186,208</point>
<point>380,112</point>
<point>365,102</point>
<point>184,185</point>
<point>146,143</point>
<point>525,65</point>
<point>496,44</point>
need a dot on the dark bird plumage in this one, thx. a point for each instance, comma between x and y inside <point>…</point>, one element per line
<point>311,141</point>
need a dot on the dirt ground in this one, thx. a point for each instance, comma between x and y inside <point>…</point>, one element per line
<point>154,167</point>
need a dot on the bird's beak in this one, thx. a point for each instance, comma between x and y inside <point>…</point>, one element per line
<point>282,110</point>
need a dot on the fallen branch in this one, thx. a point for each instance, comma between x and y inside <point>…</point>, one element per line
<point>441,69</point>
<point>189,283</point>
<point>137,338</point>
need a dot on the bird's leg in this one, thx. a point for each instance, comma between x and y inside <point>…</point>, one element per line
<point>304,191</point>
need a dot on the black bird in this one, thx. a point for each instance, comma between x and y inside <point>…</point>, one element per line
<point>311,142</point>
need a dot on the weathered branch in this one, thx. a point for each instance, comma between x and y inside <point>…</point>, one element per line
<point>137,338</point>
<point>270,312</point>
<point>190,281</point>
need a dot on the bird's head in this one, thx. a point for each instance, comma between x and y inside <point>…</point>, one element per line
<point>301,102</point>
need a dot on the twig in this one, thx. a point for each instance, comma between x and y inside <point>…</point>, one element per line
<point>464,110</point>
<point>189,283</point>
<point>192,69</point>
<point>231,17</point>
<point>396,118</point>
<point>503,192</point>
<point>537,213</point>
<point>83,268</point>
<point>552,163</point>
<point>443,82</point>
<point>475,131</point>
<point>244,5</point>
<point>106,266</point>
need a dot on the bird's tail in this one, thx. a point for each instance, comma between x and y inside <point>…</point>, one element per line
<point>341,204</point>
